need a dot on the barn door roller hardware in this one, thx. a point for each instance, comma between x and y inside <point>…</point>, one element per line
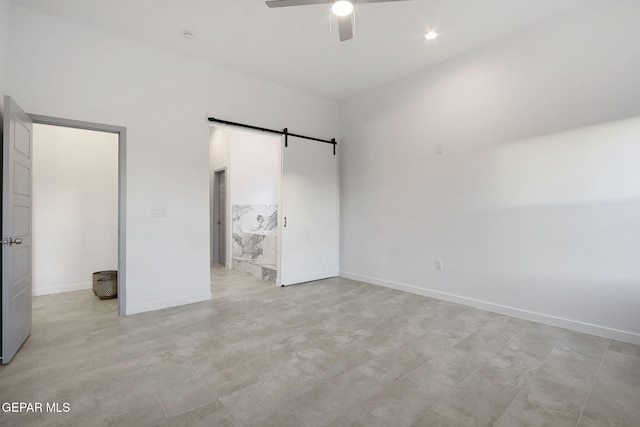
<point>284,132</point>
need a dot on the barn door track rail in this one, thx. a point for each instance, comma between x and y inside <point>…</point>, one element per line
<point>284,132</point>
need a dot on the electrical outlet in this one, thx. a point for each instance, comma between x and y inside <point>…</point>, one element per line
<point>438,148</point>
<point>438,264</point>
<point>159,211</point>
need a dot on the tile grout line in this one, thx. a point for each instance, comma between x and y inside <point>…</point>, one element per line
<point>586,400</point>
<point>518,393</point>
<point>441,324</point>
<point>190,362</point>
<point>95,401</point>
<point>260,379</point>
<point>233,416</point>
<point>534,374</point>
<point>164,411</point>
<point>566,332</point>
<point>192,409</point>
<point>454,388</point>
<point>296,411</point>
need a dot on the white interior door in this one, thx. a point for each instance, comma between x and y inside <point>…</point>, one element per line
<point>309,208</point>
<point>16,228</point>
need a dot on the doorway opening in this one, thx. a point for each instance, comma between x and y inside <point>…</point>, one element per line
<point>245,180</point>
<point>219,217</point>
<point>75,210</point>
<point>79,206</point>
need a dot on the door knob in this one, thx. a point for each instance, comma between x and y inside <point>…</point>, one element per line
<point>8,241</point>
<point>218,222</point>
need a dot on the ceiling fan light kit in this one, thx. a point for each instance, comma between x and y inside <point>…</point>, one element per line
<point>343,9</point>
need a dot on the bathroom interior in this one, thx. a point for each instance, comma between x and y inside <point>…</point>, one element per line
<point>245,181</point>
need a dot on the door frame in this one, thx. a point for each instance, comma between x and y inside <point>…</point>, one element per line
<point>122,190</point>
<point>215,209</point>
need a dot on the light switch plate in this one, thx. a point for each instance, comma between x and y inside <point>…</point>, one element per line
<point>159,211</point>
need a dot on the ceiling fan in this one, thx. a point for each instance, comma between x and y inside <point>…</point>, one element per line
<point>343,9</point>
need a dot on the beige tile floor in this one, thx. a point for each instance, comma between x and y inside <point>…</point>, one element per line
<point>335,352</point>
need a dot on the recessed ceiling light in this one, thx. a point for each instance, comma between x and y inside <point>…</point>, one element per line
<point>187,34</point>
<point>342,7</point>
<point>431,35</point>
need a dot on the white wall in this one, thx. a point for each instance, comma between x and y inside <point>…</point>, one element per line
<point>253,164</point>
<point>219,148</point>
<point>65,70</point>
<point>534,204</point>
<point>75,207</point>
<point>4,49</point>
<point>255,177</point>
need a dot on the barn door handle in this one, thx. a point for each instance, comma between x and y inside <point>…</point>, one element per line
<point>285,221</point>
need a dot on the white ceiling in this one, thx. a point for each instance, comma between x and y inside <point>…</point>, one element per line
<point>293,46</point>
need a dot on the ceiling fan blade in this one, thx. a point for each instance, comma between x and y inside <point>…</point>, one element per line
<point>345,27</point>
<point>376,1</point>
<point>287,3</point>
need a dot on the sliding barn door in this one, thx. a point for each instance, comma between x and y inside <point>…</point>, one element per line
<point>309,212</point>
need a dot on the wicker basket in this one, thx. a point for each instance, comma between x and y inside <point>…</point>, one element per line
<point>105,284</point>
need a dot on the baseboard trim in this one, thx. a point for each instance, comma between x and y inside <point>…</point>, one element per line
<point>61,289</point>
<point>312,278</point>
<point>159,305</point>
<point>574,325</point>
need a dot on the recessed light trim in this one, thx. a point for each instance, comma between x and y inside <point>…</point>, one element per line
<point>431,35</point>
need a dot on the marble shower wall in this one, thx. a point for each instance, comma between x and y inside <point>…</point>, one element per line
<point>255,229</point>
